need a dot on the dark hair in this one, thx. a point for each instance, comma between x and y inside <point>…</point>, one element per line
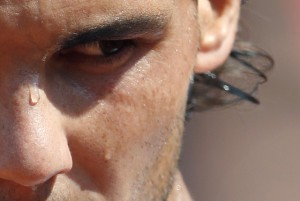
<point>238,79</point>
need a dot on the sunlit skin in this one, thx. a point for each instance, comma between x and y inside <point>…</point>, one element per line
<point>95,120</point>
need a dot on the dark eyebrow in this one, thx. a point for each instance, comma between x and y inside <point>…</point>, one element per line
<point>117,29</point>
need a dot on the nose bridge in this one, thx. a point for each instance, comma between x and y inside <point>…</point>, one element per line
<point>33,146</point>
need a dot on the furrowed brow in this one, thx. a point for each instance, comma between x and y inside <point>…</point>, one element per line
<point>117,29</point>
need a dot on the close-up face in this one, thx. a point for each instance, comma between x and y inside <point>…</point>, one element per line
<point>93,96</point>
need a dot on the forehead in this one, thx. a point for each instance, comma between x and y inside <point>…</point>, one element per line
<point>23,19</point>
<point>95,9</point>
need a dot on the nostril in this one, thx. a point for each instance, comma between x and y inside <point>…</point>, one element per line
<point>38,180</point>
<point>34,180</point>
<point>35,172</point>
<point>9,184</point>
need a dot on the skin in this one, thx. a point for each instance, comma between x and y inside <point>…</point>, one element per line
<point>75,126</point>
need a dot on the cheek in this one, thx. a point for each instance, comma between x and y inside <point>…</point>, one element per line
<point>148,98</point>
<point>141,106</point>
<point>139,115</point>
<point>141,112</point>
<point>132,123</point>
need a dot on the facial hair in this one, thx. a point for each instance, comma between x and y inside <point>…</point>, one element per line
<point>155,185</point>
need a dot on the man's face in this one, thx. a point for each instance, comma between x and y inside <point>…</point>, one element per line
<point>93,95</point>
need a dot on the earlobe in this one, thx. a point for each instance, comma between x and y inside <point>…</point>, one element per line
<point>217,32</point>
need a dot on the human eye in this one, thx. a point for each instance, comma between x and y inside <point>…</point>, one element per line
<point>100,56</point>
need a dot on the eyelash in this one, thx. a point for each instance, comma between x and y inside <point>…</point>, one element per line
<point>83,57</point>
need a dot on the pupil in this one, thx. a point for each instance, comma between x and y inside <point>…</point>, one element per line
<point>111,47</point>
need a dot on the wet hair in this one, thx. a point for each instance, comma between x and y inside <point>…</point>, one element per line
<point>236,80</point>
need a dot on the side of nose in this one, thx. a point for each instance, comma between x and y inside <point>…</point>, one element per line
<point>33,145</point>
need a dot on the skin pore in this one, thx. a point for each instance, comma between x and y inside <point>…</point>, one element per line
<point>93,98</point>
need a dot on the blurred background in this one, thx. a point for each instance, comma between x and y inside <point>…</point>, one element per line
<point>248,152</point>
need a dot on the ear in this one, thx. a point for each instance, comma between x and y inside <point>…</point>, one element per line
<point>218,21</point>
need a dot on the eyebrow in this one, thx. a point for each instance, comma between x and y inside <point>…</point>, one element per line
<point>117,29</point>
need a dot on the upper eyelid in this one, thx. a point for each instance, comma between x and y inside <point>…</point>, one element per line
<point>125,44</point>
<point>117,30</point>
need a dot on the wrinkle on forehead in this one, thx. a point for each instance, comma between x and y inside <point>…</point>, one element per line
<point>53,9</point>
<point>54,18</point>
<point>90,11</point>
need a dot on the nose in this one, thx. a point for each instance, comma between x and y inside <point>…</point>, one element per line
<point>33,146</point>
